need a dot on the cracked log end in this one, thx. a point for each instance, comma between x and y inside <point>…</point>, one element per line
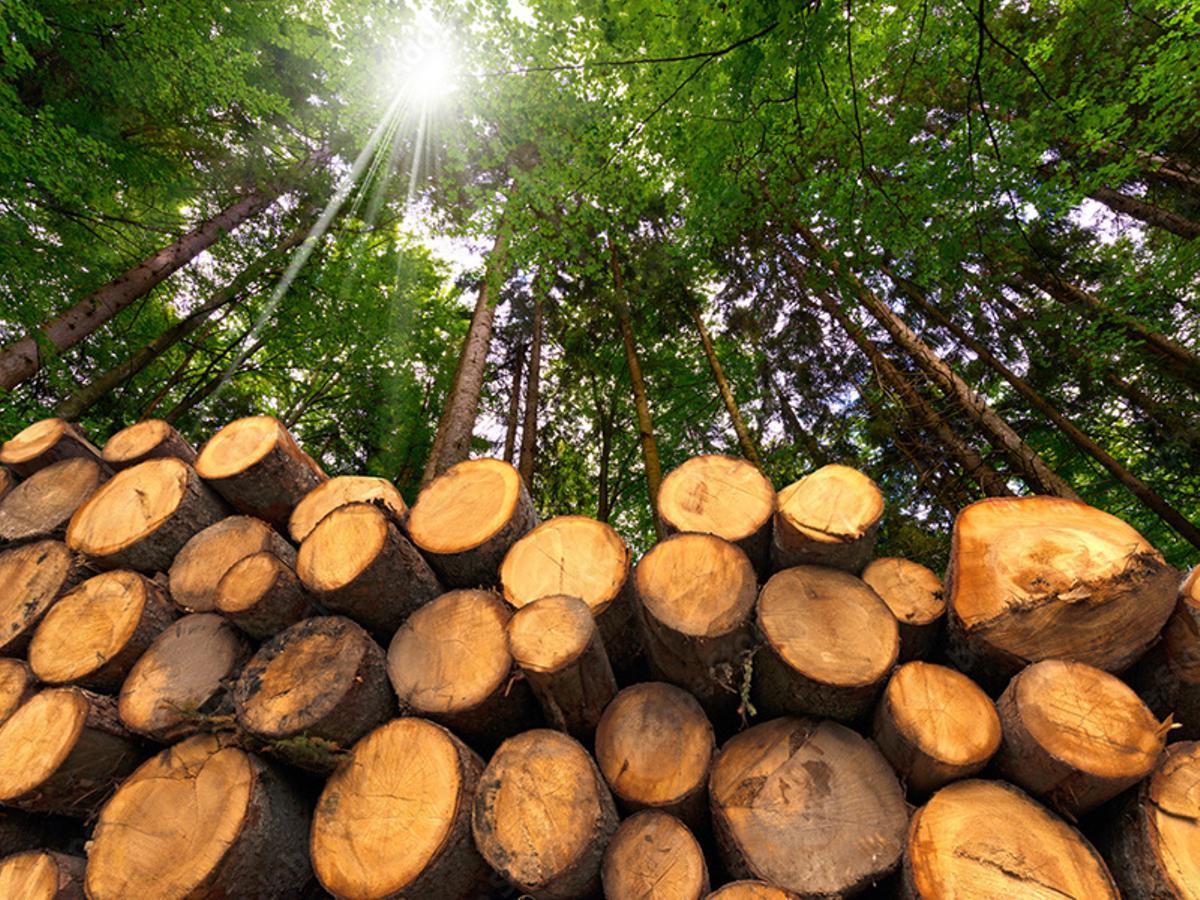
<point>33,577</point>
<point>329,495</point>
<point>827,518</point>
<point>653,854</point>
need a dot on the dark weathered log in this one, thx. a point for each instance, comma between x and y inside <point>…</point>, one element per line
<point>41,506</point>
<point>148,439</point>
<point>654,855</point>
<point>46,442</point>
<point>827,518</point>
<point>329,495</point>
<point>261,595</point>
<point>42,875</point>
<point>33,577</point>
<point>914,595</point>
<point>203,561</point>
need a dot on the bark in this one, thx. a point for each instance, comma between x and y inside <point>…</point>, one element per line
<point>452,442</point>
<point>1079,438</point>
<point>1027,461</point>
<point>514,404</point>
<point>22,359</point>
<point>1146,212</point>
<point>745,441</point>
<point>532,388</point>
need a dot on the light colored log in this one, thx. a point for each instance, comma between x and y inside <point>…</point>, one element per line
<point>827,518</point>
<point>654,855</point>
<point>209,554</point>
<point>148,439</point>
<point>1168,676</point>
<point>41,506</point>
<point>33,577</point>
<point>914,595</point>
<point>750,890</point>
<point>262,596</point>
<point>329,495</point>
<point>17,685</point>
<point>46,442</point>
<point>42,875</point>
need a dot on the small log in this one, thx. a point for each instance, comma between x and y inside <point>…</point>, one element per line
<point>17,685</point>
<point>8,481</point>
<point>148,439</point>
<point>329,495</point>
<point>829,644</point>
<point>1153,848</point>
<point>828,518</point>
<point>655,746</point>
<point>201,819</point>
<point>261,595</point>
<point>807,805</point>
<point>653,854</point>
<point>42,875</point>
<point>41,506</point>
<point>543,816</point>
<point>1075,735</point>
<point>724,496</point>
<point>358,563</point>
<point>696,593</point>
<point>582,558</point>
<point>96,632</point>
<point>467,518</point>
<point>914,595</point>
<point>750,890</point>
<point>33,576</point>
<point>1034,578</point>
<point>63,751</point>
<point>1168,676</point>
<point>258,466</point>
<point>141,517</point>
<point>209,554</point>
<point>395,821</point>
<point>46,442</point>
<point>313,690</point>
<point>450,662</point>
<point>989,839</point>
<point>179,686</point>
<point>555,642</point>
<point>935,726</point>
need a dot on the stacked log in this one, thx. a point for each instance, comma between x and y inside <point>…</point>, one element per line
<point>653,854</point>
<point>44,443</point>
<point>42,875</point>
<point>828,518</point>
<point>1168,676</point>
<point>914,595</point>
<point>148,439</point>
<point>8,481</point>
<point>17,685</point>
<point>33,576</point>
<point>262,595</point>
<point>329,495</point>
<point>202,562</point>
<point>41,506</point>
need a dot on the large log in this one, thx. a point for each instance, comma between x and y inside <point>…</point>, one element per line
<point>261,595</point>
<point>395,821</point>
<point>696,594</point>
<point>450,662</point>
<point>827,518</point>
<point>724,496</point>
<point>654,855</point>
<point>258,466</point>
<point>96,632</point>
<point>142,516</point>
<point>655,747</point>
<point>41,506</point>
<point>1036,578</point>
<point>359,564</point>
<point>829,643</point>
<point>209,554</point>
<point>935,726</point>
<point>988,839</point>
<point>1154,848</point>
<point>555,642</point>
<point>1168,676</point>
<point>750,890</point>
<point>323,679</point>
<point>582,558</point>
<point>148,439</point>
<point>33,576</point>
<point>17,685</point>
<point>179,686</point>
<point>467,518</point>
<point>201,819</point>
<point>329,495</point>
<point>914,595</point>
<point>46,442</point>
<point>42,875</point>
<point>807,805</point>
<point>543,816</point>
<point>63,751</point>
<point>1075,735</point>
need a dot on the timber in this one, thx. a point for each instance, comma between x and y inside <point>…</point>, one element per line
<point>828,518</point>
<point>750,889</point>
<point>914,595</point>
<point>42,875</point>
<point>42,505</point>
<point>1168,676</point>
<point>653,854</point>
<point>33,576</point>
<point>201,563</point>
<point>46,442</point>
<point>148,439</point>
<point>261,595</point>
<point>17,685</point>
<point>329,495</point>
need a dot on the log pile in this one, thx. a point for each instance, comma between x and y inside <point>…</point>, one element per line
<point>225,674</point>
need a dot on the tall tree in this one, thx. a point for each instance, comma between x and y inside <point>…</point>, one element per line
<point>533,385</point>
<point>745,441</point>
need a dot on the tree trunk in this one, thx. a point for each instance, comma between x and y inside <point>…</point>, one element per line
<point>739,425</point>
<point>452,442</point>
<point>795,429</point>
<point>1135,485</point>
<point>21,359</point>
<point>1024,457</point>
<point>1146,212</point>
<point>514,404</point>
<point>532,390</point>
<point>204,391</point>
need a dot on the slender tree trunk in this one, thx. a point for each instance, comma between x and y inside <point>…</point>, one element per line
<point>1146,212</point>
<point>1026,460</point>
<point>452,441</point>
<point>208,382</point>
<point>514,404</point>
<point>795,429</point>
<point>533,386</point>
<point>645,422</point>
<point>604,420</point>
<point>739,425</point>
<point>22,359</point>
<point>1135,485</point>
<point>989,480</point>
<point>86,396</point>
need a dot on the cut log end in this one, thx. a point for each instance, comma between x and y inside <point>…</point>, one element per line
<point>395,821</point>
<point>42,875</point>
<point>41,506</point>
<point>827,518</point>
<point>8,481</point>
<point>335,492</point>
<point>17,685</point>
<point>262,596</point>
<point>43,443</point>
<point>33,576</point>
<point>149,439</point>
<point>653,854</point>
<point>914,595</point>
<point>209,554</point>
<point>988,839</point>
<point>807,805</point>
<point>750,890</point>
